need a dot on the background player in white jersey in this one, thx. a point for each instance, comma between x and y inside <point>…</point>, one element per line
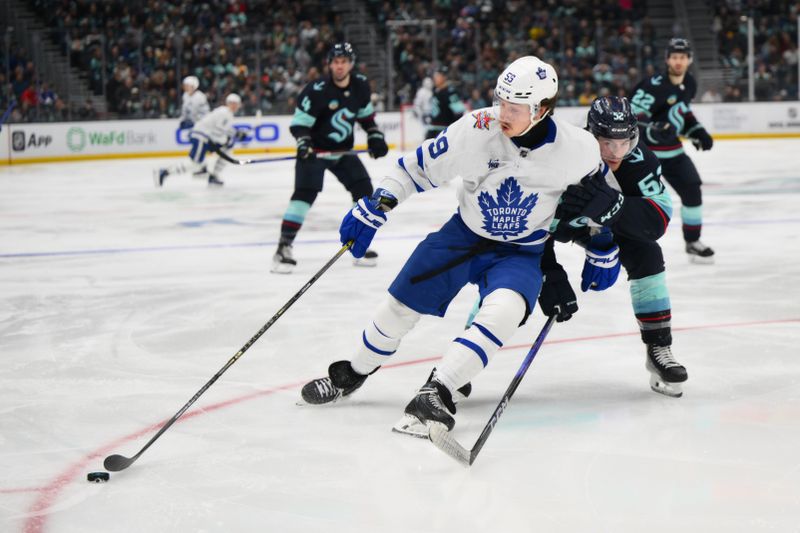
<point>194,104</point>
<point>214,133</point>
<point>514,160</point>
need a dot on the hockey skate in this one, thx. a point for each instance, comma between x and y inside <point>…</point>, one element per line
<point>283,261</point>
<point>412,426</point>
<point>214,181</point>
<point>699,253</point>
<point>370,259</point>
<point>159,175</point>
<point>341,381</point>
<point>666,374</point>
<point>433,404</point>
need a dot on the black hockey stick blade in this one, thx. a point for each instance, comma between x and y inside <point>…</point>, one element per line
<point>115,463</point>
<point>442,438</point>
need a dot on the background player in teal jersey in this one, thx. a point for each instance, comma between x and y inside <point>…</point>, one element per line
<point>326,113</point>
<point>661,104</point>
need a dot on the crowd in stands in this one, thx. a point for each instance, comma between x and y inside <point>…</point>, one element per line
<point>34,100</point>
<point>599,47</point>
<point>136,53</point>
<point>775,46</point>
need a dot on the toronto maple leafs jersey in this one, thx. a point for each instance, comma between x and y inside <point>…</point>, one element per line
<point>327,113</point>
<point>657,99</point>
<point>507,193</point>
<point>216,126</point>
<point>194,107</point>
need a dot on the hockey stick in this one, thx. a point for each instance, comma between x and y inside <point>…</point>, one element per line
<point>448,444</point>
<point>115,463</point>
<point>234,161</point>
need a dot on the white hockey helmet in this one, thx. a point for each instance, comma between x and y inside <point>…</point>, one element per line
<point>233,98</point>
<point>528,80</point>
<point>192,82</point>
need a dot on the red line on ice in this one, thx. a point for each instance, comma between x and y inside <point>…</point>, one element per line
<point>38,512</point>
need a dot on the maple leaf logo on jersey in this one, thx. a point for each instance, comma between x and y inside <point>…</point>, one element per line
<point>508,215</point>
<point>482,120</point>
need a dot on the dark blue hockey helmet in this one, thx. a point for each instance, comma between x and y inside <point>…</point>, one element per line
<point>343,49</point>
<point>679,45</point>
<point>611,117</point>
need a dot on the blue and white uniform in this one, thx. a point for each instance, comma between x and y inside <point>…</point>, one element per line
<point>213,131</point>
<point>194,107</point>
<point>507,194</point>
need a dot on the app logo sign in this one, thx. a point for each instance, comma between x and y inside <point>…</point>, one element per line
<point>19,143</point>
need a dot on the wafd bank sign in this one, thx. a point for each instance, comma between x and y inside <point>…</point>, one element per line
<point>21,143</point>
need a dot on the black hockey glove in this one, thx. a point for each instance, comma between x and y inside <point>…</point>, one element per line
<point>595,199</point>
<point>661,133</point>
<point>376,145</point>
<point>701,139</point>
<point>557,297</point>
<point>304,148</point>
<point>240,136</point>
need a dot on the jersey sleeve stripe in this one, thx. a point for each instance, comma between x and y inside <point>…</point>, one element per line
<point>421,165</point>
<point>403,166</point>
<point>365,112</point>
<point>660,211</point>
<point>301,118</point>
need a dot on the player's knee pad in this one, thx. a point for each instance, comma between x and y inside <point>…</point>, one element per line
<point>501,313</point>
<point>382,336</point>
<point>498,319</point>
<point>305,195</point>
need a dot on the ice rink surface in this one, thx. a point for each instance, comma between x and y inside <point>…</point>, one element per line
<point>119,301</point>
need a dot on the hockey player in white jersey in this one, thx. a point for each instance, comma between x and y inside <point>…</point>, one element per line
<point>214,133</point>
<point>194,105</point>
<point>514,160</point>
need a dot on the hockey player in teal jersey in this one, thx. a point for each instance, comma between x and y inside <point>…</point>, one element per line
<point>661,104</point>
<point>326,113</point>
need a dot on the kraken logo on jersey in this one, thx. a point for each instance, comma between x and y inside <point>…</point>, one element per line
<point>339,122</point>
<point>507,216</point>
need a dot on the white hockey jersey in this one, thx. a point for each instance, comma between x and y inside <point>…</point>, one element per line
<point>508,194</point>
<point>216,126</point>
<point>194,106</point>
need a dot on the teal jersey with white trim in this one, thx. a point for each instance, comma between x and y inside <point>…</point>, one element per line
<point>328,113</point>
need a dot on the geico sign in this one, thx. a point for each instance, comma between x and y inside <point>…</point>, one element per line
<point>266,132</point>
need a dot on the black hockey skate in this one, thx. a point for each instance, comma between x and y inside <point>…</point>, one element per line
<point>699,253</point>
<point>412,426</point>
<point>214,181</point>
<point>341,381</point>
<point>370,259</point>
<point>666,374</point>
<point>433,404</point>
<point>283,261</point>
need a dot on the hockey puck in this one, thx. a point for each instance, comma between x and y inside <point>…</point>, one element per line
<point>98,477</point>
